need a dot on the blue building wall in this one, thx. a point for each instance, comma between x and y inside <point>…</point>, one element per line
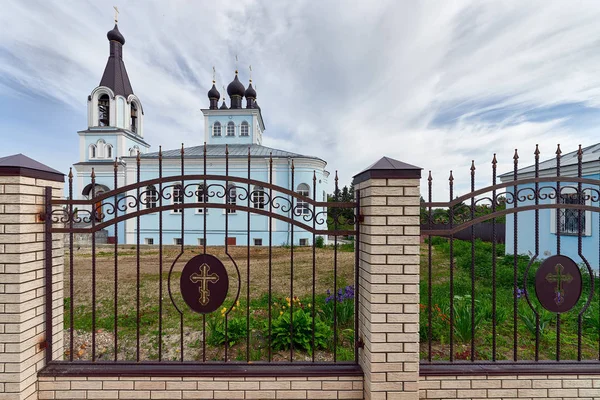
<point>237,120</point>
<point>568,243</point>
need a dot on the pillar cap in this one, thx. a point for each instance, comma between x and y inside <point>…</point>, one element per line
<point>387,167</point>
<point>21,165</point>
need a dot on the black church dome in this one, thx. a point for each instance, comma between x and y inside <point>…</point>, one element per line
<point>213,93</point>
<point>236,88</point>
<point>115,35</point>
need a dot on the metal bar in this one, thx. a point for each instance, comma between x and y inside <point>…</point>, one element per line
<point>93,218</point>
<point>160,254</point>
<point>227,193</point>
<point>429,270</point>
<point>579,243</point>
<point>537,247</point>
<point>472,263</point>
<point>204,211</point>
<point>558,201</point>
<point>71,265</point>
<point>116,277</point>
<point>182,194</point>
<point>48,272</point>
<point>515,255</point>
<point>270,247</point>
<point>494,241</point>
<point>451,218</point>
<point>292,212</point>
<point>357,339</point>
<point>314,269</point>
<point>335,251</point>
<point>137,264</point>
<point>248,267</point>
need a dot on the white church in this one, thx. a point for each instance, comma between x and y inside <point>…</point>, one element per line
<point>115,136</point>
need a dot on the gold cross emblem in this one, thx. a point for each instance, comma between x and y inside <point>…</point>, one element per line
<point>204,278</point>
<point>559,278</point>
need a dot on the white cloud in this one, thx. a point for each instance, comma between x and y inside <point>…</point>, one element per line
<point>348,82</point>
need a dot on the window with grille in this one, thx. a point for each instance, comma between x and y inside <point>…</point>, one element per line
<point>149,241</point>
<point>202,197</point>
<point>230,129</point>
<point>258,197</point>
<point>151,196</point>
<point>200,241</point>
<point>302,205</point>
<point>257,242</point>
<point>178,241</point>
<point>303,242</point>
<point>231,198</point>
<point>570,220</point>
<point>244,129</point>
<point>177,196</point>
<point>217,129</point>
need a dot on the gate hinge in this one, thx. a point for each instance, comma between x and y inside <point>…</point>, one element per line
<point>360,344</point>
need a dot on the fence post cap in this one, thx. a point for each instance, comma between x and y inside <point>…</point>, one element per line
<point>21,165</point>
<point>387,167</point>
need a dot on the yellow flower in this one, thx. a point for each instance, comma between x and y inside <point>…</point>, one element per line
<point>287,299</point>
<point>224,309</point>
<point>309,305</point>
<point>280,312</point>
<point>237,303</point>
<point>283,307</point>
<point>233,308</point>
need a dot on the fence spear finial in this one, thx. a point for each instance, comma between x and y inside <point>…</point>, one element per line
<point>226,149</point>
<point>138,158</point>
<point>558,151</point>
<point>537,151</point>
<point>160,153</point>
<point>429,178</point>
<point>472,167</point>
<point>182,149</point>
<point>516,156</point>
<point>93,175</point>
<point>451,179</point>
<point>494,161</point>
<point>580,153</point>
<point>71,173</point>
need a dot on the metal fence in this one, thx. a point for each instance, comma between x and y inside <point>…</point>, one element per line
<point>526,305</point>
<point>166,304</point>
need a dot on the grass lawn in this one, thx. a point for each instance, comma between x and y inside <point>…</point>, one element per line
<point>238,318</point>
<point>505,299</point>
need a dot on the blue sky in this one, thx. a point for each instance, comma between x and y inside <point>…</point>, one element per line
<point>435,84</point>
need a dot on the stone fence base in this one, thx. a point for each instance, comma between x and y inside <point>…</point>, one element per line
<point>350,387</point>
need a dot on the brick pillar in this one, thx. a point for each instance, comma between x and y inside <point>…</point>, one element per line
<point>389,279</point>
<point>23,182</point>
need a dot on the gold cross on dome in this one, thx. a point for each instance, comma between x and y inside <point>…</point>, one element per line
<point>204,279</point>
<point>559,278</point>
<point>116,14</point>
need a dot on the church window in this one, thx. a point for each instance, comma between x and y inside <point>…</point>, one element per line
<point>93,151</point>
<point>134,115</point>
<point>177,196</point>
<point>101,149</point>
<point>103,110</point>
<point>217,129</point>
<point>109,151</point>
<point>302,205</point>
<point>244,129</point>
<point>151,196</point>
<point>202,197</point>
<point>230,129</point>
<point>231,198</point>
<point>258,197</point>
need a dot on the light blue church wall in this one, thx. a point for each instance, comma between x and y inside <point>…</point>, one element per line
<point>193,219</point>
<point>237,120</point>
<point>547,221</point>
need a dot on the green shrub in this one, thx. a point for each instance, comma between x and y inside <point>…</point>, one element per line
<point>302,331</point>
<point>320,242</point>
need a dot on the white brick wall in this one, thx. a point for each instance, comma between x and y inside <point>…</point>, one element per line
<point>22,285</point>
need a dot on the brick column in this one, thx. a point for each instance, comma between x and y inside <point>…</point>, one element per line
<point>22,273</point>
<point>389,279</point>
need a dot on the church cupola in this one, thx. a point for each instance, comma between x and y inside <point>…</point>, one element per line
<point>213,97</point>
<point>250,96</point>
<point>115,75</point>
<point>236,91</point>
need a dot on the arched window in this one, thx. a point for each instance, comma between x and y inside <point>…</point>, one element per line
<point>109,151</point>
<point>177,196</point>
<point>231,198</point>
<point>134,111</point>
<point>151,196</point>
<point>244,129</point>
<point>103,110</point>
<point>217,129</point>
<point>101,149</point>
<point>202,197</point>
<point>92,151</point>
<point>301,205</point>
<point>230,129</point>
<point>258,197</point>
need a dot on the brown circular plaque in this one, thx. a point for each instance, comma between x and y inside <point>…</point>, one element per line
<point>558,284</point>
<point>204,283</point>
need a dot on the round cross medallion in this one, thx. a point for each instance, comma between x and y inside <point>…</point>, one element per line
<point>558,284</point>
<point>204,283</point>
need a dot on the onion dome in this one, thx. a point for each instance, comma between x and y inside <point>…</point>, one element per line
<point>250,92</point>
<point>115,35</point>
<point>213,93</point>
<point>236,88</point>
<point>224,106</point>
